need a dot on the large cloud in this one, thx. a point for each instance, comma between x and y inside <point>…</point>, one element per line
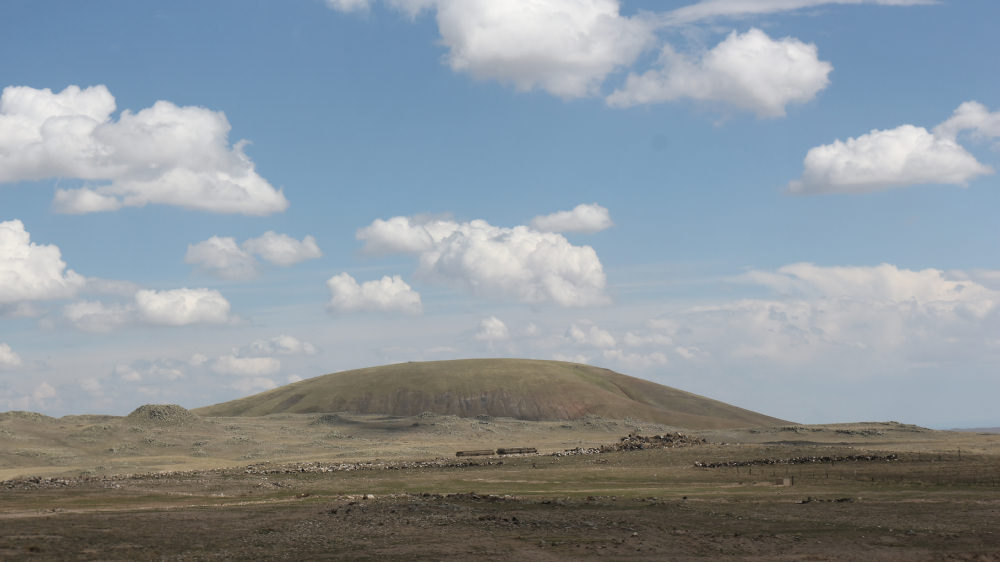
<point>222,257</point>
<point>163,154</point>
<point>825,324</point>
<point>569,48</point>
<point>520,262</point>
<point>906,155</point>
<point>829,317</point>
<point>928,289</point>
<point>388,294</point>
<point>583,218</point>
<point>564,47</point>
<point>31,271</point>
<point>749,71</point>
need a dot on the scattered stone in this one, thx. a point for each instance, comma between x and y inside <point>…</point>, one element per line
<point>800,460</point>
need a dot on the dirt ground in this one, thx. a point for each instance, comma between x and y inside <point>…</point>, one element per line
<point>847,492</point>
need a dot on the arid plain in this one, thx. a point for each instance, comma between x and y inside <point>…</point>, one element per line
<point>168,483</point>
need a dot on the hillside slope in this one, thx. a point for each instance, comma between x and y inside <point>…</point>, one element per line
<point>517,388</point>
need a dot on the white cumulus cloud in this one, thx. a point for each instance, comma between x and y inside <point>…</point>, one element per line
<point>164,154</point>
<point>492,329</point>
<point>882,159</point>
<point>971,116</point>
<point>491,261</point>
<point>7,356</point>
<point>564,47</point>
<point>179,307</point>
<point>388,294</point>
<point>748,71</point>
<point>31,271</point>
<point>282,249</point>
<point>583,218</point>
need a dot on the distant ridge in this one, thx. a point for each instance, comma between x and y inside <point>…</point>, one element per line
<point>518,388</point>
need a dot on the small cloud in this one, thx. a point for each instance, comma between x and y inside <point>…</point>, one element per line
<point>7,357</point>
<point>180,307</point>
<point>389,294</point>
<point>43,392</point>
<point>223,258</point>
<point>279,345</point>
<point>245,366</point>
<point>906,155</point>
<point>282,249</point>
<point>748,71</point>
<point>350,6</point>
<point>177,307</point>
<point>492,329</point>
<point>583,218</point>
<point>591,336</point>
<point>151,372</point>
<point>971,116</point>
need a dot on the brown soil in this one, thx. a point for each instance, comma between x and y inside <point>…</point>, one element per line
<point>875,491</point>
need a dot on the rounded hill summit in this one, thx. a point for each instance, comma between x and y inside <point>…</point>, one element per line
<point>517,388</point>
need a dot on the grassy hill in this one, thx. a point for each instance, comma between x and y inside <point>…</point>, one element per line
<point>517,388</point>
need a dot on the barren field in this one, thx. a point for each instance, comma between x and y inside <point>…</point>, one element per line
<point>171,485</point>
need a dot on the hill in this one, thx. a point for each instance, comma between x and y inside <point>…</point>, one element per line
<point>516,388</point>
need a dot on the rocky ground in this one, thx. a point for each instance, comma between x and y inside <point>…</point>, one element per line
<point>596,489</point>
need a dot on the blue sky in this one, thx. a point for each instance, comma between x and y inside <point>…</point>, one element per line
<point>783,204</point>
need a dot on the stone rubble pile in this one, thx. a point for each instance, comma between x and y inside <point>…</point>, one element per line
<point>636,442</point>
